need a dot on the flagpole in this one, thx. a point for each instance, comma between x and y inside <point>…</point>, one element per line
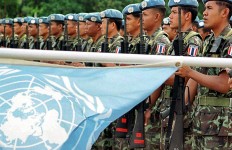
<point>112,58</point>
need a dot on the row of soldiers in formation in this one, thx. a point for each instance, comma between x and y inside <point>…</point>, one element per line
<point>208,120</point>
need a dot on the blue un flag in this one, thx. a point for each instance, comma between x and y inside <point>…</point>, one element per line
<point>67,108</point>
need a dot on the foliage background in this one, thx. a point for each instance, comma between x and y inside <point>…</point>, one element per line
<point>38,8</point>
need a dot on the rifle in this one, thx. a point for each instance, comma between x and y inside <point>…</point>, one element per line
<point>105,45</point>
<point>137,140</point>
<point>12,41</point>
<point>177,102</point>
<point>26,44</point>
<point>49,41</point>
<point>65,45</point>
<point>4,37</point>
<point>124,43</point>
<point>37,43</point>
<point>78,46</point>
<point>125,122</point>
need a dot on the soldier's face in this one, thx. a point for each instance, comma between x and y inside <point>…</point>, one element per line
<point>91,28</point>
<point>174,18</point>
<point>8,29</point>
<point>54,28</point>
<point>132,24</point>
<point>212,15</point>
<point>17,28</point>
<point>83,28</point>
<point>104,26</point>
<point>43,29</point>
<point>1,28</point>
<point>32,29</point>
<point>148,17</point>
<point>72,27</point>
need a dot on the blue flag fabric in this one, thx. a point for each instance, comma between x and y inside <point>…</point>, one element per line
<point>66,108</point>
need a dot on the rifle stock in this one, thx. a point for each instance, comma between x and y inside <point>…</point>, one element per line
<point>125,43</point>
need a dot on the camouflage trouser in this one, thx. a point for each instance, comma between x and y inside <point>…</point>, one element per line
<point>105,141</point>
<point>213,142</point>
<point>153,135</point>
<point>213,128</point>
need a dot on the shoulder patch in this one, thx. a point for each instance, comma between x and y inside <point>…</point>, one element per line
<point>230,50</point>
<point>160,48</point>
<point>192,50</point>
<point>118,49</point>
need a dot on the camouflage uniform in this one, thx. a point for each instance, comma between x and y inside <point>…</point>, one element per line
<point>115,44</point>
<point>22,41</point>
<point>57,43</point>
<point>158,43</point>
<point>86,43</point>
<point>213,120</point>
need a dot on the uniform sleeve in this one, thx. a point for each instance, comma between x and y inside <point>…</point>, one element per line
<point>160,45</point>
<point>194,47</point>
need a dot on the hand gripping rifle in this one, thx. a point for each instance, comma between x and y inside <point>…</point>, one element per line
<point>37,43</point>
<point>175,140</point>
<point>78,46</point>
<point>105,45</point>
<point>137,140</point>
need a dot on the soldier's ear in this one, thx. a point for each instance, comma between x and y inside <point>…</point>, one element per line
<point>225,12</point>
<point>188,16</point>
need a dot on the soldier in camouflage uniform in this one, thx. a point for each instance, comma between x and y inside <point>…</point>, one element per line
<point>157,44</point>
<point>44,32</point>
<point>72,31</point>
<point>153,14</point>
<point>93,29</point>
<point>20,30</point>
<point>93,23</point>
<point>33,25</point>
<point>132,13</point>
<point>85,39</point>
<point>212,120</point>
<point>57,25</point>
<point>8,25</point>
<point>114,18</point>
<point>192,46</point>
